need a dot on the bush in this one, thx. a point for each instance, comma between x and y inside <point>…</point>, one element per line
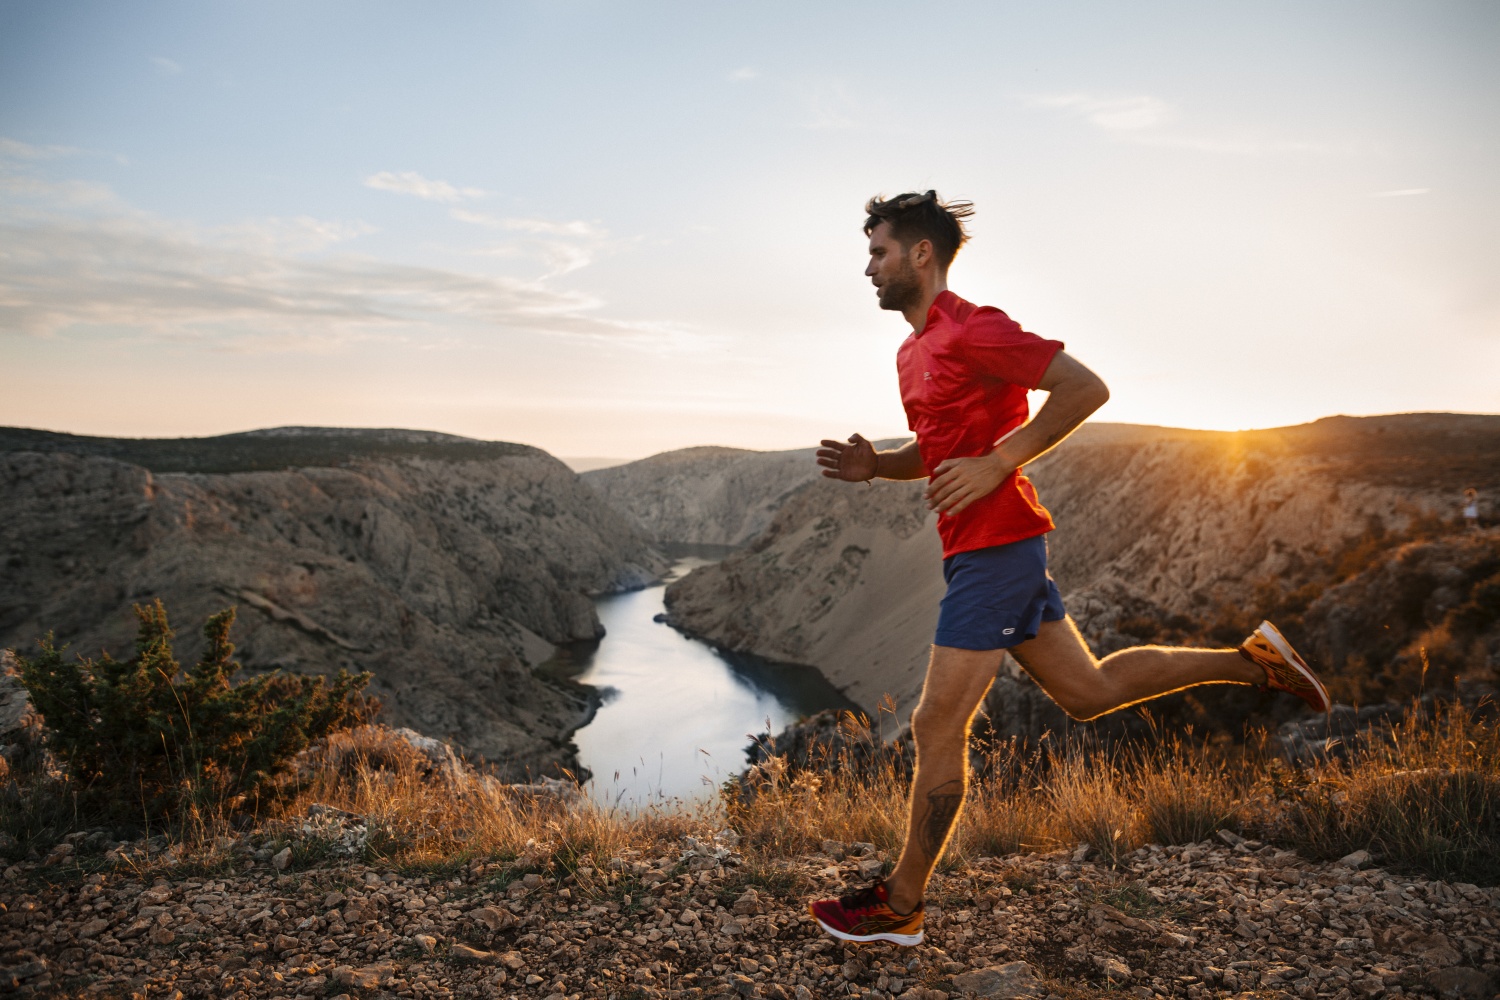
<point>143,739</point>
<point>1089,796</point>
<point>1184,791</point>
<point>1427,799</point>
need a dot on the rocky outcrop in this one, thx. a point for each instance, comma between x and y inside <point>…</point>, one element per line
<point>1162,534</point>
<point>448,577</point>
<point>706,496</point>
<point>845,578</point>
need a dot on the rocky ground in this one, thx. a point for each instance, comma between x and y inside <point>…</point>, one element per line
<point>1215,919</point>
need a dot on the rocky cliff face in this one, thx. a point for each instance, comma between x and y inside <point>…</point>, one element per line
<point>1162,535</point>
<point>705,496</point>
<point>845,578</point>
<point>448,573</point>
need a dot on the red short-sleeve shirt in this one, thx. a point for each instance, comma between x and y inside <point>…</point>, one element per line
<point>964,378</point>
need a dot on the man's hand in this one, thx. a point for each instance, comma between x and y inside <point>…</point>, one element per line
<point>1073,392</point>
<point>958,482</point>
<point>854,462</point>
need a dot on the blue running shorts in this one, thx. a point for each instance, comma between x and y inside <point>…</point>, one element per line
<point>997,597</point>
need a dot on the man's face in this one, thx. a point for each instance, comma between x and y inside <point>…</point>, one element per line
<point>890,271</point>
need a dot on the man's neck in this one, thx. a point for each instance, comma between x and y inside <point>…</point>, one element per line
<point>916,314</point>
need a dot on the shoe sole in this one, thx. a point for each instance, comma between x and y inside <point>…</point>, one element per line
<point>904,939</point>
<point>1278,642</point>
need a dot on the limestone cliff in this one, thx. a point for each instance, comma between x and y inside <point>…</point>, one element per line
<point>447,567</point>
<point>845,578</point>
<point>1158,529</point>
<point>712,496</point>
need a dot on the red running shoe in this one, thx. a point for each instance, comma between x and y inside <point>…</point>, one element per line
<point>1285,671</point>
<point>866,915</point>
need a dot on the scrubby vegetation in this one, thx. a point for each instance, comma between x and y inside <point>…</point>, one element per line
<point>1423,796</point>
<point>144,741</point>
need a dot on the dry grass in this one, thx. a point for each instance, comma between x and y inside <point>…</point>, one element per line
<point>1008,811</point>
<point>1184,791</point>
<point>791,811</point>
<point>1090,805</point>
<point>1427,799</point>
<point>419,815</point>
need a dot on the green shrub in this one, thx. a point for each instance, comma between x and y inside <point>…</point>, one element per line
<point>143,739</point>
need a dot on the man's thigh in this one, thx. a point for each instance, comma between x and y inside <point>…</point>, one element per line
<point>1061,662</point>
<point>957,680</point>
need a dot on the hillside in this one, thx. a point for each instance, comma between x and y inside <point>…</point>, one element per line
<point>1163,535</point>
<point>708,495</point>
<point>712,496</point>
<point>447,567</point>
<point>270,449</point>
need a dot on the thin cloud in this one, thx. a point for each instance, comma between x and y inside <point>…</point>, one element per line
<point>744,73</point>
<point>14,149</point>
<point>165,66</point>
<point>1141,120</point>
<point>1112,113</point>
<point>563,247</point>
<point>1245,145</point>
<point>539,226</point>
<point>412,183</point>
<point>1402,193</point>
<point>270,286</point>
<point>831,106</point>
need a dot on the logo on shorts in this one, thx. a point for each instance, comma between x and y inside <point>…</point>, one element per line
<point>1007,631</point>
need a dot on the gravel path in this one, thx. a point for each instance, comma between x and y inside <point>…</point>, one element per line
<point>1207,920</point>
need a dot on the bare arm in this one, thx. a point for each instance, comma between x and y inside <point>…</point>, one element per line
<point>857,461</point>
<point>1074,393</point>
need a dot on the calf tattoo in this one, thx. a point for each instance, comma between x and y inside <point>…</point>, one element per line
<point>942,806</point>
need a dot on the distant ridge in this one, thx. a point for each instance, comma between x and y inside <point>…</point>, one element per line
<point>271,449</point>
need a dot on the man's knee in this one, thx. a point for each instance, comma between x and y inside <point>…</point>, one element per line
<point>1084,704</point>
<point>938,721</point>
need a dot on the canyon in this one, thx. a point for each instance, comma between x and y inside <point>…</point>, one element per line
<point>447,567</point>
<point>452,568</point>
<point>1163,535</point>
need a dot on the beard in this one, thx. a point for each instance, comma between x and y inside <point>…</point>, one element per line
<point>902,290</point>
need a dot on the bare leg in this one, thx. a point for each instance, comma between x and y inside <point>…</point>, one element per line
<point>956,682</point>
<point>1067,670</point>
<point>1086,688</point>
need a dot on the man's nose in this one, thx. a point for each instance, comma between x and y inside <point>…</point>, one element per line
<point>870,270</point>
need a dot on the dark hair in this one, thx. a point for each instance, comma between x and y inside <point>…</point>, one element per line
<point>915,217</point>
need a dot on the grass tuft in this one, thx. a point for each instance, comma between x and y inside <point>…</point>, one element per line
<point>1088,795</point>
<point>1424,797</point>
<point>1427,799</point>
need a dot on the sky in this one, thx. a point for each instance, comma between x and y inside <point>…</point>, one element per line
<point>613,229</point>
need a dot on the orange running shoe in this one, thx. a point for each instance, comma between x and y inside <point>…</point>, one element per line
<point>1285,671</point>
<point>866,915</point>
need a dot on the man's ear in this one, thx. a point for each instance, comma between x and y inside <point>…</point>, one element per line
<point>922,253</point>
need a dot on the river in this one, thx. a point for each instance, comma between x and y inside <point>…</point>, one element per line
<point>677,714</point>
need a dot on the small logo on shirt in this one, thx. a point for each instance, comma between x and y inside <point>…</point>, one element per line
<point>1006,631</point>
<point>927,376</point>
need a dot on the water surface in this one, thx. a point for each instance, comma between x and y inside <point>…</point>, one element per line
<point>677,715</point>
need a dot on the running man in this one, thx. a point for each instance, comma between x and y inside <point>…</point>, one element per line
<point>965,371</point>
